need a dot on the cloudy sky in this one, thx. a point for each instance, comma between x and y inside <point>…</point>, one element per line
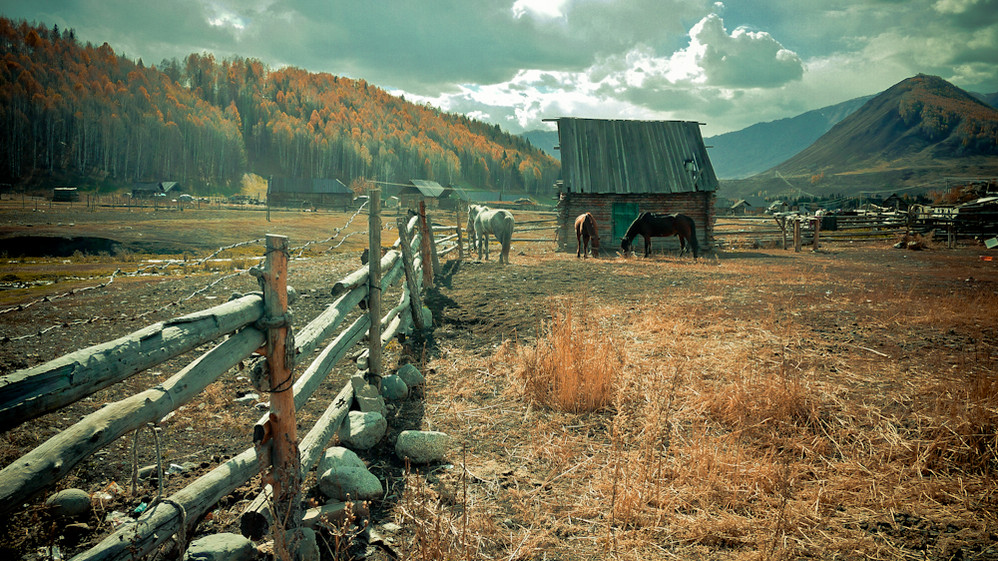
<point>515,62</point>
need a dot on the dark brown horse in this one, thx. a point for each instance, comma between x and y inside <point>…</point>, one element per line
<point>586,233</point>
<point>652,225</point>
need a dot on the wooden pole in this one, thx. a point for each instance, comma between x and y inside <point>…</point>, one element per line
<point>817,228</point>
<point>460,244</point>
<point>410,275</point>
<point>424,246</point>
<point>796,235</point>
<point>285,472</point>
<point>374,287</point>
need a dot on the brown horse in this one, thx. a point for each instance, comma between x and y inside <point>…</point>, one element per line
<point>650,225</point>
<point>586,233</point>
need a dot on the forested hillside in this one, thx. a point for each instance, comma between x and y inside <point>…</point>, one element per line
<point>72,112</point>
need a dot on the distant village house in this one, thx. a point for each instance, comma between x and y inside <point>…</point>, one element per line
<point>308,193</point>
<point>161,189</point>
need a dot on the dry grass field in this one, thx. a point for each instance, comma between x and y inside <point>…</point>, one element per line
<point>756,404</point>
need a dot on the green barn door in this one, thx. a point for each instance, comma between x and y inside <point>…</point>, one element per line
<point>623,215</point>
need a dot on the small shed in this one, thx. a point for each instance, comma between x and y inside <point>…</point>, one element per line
<point>421,190</point>
<point>308,193</point>
<point>65,194</point>
<point>617,169</point>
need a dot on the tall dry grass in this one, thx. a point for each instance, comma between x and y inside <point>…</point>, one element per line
<point>575,364</point>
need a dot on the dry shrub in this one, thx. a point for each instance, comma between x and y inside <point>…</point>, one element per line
<point>574,365</point>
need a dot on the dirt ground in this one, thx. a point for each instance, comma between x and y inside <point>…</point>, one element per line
<point>884,339</point>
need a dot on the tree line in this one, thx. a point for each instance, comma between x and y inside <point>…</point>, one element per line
<point>80,113</point>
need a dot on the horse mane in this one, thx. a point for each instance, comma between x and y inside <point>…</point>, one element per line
<point>632,229</point>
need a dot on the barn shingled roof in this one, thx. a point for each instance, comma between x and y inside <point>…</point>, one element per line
<point>622,156</point>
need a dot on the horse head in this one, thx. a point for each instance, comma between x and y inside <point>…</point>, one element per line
<point>625,245</point>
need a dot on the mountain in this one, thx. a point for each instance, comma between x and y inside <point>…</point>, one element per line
<point>544,140</point>
<point>73,114</point>
<point>910,136</point>
<point>761,146</point>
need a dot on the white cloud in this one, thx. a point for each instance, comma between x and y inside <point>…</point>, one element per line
<point>543,9</point>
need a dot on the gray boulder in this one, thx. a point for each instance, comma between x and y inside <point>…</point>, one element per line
<point>221,547</point>
<point>338,456</point>
<point>410,375</point>
<point>394,388</point>
<point>422,447</point>
<point>361,431</point>
<point>350,483</point>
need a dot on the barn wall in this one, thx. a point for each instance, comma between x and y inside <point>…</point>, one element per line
<point>697,205</point>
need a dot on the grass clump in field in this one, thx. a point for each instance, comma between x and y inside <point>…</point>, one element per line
<point>574,366</point>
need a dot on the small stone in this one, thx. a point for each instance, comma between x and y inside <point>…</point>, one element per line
<point>69,503</point>
<point>221,547</point>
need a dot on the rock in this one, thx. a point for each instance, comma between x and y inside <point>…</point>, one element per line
<point>221,547</point>
<point>422,447</point>
<point>75,532</point>
<point>338,456</point>
<point>69,503</point>
<point>304,544</point>
<point>410,375</point>
<point>337,514</point>
<point>372,404</point>
<point>350,483</point>
<point>361,431</point>
<point>248,398</point>
<point>394,388</point>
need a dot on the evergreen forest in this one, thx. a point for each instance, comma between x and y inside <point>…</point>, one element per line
<point>81,115</point>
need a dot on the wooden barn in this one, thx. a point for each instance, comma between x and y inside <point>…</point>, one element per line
<point>423,190</point>
<point>308,192</point>
<point>617,169</point>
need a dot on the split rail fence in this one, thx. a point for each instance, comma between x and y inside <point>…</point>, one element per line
<point>795,230</point>
<point>253,327</point>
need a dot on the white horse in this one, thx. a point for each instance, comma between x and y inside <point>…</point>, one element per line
<point>483,221</point>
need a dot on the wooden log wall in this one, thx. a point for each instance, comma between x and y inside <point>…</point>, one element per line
<point>697,205</point>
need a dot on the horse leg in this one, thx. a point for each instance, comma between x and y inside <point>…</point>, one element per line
<point>647,246</point>
<point>578,252</point>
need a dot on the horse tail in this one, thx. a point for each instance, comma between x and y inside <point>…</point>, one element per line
<point>693,238</point>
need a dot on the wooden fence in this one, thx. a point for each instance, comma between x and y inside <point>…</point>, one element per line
<point>786,230</point>
<point>253,327</point>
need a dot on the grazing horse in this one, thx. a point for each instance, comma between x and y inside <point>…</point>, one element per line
<point>586,233</point>
<point>652,225</point>
<point>484,221</point>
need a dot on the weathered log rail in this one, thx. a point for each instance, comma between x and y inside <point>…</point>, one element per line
<point>244,326</point>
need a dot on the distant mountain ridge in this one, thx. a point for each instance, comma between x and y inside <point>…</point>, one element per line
<point>909,136</point>
<point>761,146</point>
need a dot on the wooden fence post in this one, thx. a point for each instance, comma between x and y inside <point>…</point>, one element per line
<point>285,473</point>
<point>460,244</point>
<point>415,301</point>
<point>796,234</point>
<point>424,246</point>
<point>374,286</point>
<point>817,228</point>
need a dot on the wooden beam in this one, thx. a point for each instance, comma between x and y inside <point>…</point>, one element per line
<point>34,391</point>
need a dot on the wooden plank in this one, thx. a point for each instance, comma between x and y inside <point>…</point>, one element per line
<point>31,392</point>
<point>27,476</point>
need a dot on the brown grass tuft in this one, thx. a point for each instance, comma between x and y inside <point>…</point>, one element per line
<point>574,366</point>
